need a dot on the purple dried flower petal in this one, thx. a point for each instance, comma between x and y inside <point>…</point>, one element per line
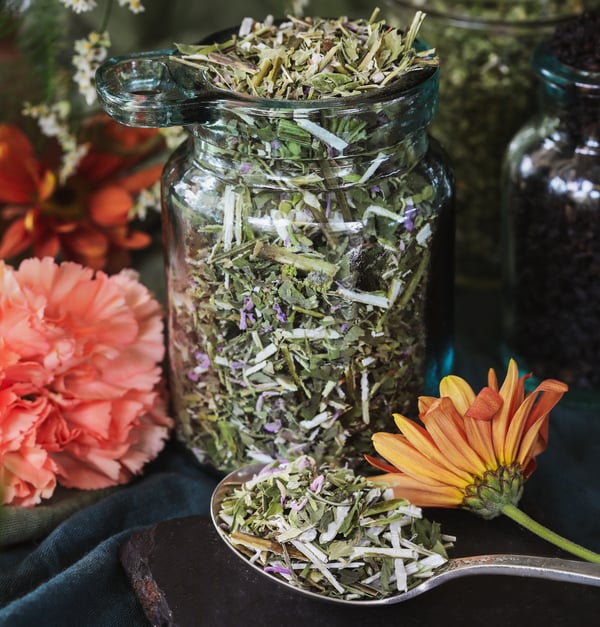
<point>317,483</point>
<point>203,360</point>
<point>272,427</point>
<point>279,312</point>
<point>193,375</point>
<point>298,505</point>
<point>277,569</point>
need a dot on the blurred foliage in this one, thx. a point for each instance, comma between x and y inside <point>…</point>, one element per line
<point>166,21</point>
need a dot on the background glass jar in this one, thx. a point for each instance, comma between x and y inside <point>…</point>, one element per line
<point>308,247</point>
<point>551,212</point>
<point>487,91</point>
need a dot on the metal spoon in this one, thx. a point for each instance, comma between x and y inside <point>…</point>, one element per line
<point>557,569</point>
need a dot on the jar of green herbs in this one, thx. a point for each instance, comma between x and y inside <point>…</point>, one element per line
<point>308,231</point>
<point>487,91</point>
<point>551,218</point>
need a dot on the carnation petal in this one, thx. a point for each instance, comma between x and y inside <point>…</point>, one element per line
<point>27,476</point>
<point>82,386</point>
<point>89,474</point>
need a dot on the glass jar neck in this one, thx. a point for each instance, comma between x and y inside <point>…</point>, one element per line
<point>334,143</point>
<point>570,96</point>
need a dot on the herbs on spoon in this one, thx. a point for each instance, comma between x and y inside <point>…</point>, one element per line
<point>325,529</point>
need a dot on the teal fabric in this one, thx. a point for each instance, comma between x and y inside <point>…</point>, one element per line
<point>73,576</point>
<point>22,524</point>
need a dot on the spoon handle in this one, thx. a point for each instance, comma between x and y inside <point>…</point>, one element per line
<point>525,566</point>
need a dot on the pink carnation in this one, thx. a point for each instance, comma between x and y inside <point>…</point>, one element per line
<point>81,388</point>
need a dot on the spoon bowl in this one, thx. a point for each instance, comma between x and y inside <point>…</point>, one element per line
<point>558,569</point>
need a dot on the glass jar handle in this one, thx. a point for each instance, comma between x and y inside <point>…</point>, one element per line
<point>151,89</point>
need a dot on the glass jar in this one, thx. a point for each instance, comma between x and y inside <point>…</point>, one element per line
<point>487,91</point>
<point>308,249</point>
<point>551,212</point>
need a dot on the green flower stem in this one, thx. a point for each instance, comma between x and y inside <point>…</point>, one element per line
<point>514,513</point>
<point>105,16</point>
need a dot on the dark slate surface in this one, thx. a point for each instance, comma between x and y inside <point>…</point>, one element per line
<point>185,576</point>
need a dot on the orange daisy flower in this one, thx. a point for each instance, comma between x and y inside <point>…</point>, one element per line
<point>86,219</point>
<point>475,451</point>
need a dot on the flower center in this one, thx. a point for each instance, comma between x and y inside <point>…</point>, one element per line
<point>488,494</point>
<point>67,202</point>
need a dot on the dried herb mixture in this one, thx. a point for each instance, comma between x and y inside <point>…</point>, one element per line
<point>310,58</point>
<point>300,267</point>
<point>330,531</point>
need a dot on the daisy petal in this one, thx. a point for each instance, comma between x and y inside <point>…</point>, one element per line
<point>440,421</point>
<point>501,422</point>
<point>419,493</point>
<point>459,391</point>
<point>399,452</point>
<point>424,443</point>
<point>484,406</point>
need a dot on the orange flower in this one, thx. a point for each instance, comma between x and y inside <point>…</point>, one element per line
<point>86,218</point>
<point>81,391</point>
<point>475,451</point>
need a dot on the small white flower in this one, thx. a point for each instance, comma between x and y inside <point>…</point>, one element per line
<point>53,121</point>
<point>135,6</point>
<point>79,6</point>
<point>71,160</point>
<point>147,200</point>
<point>89,54</point>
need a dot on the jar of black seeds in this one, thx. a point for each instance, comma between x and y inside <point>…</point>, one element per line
<point>551,218</point>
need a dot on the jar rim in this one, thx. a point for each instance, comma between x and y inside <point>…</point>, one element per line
<point>151,89</point>
<point>547,65</point>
